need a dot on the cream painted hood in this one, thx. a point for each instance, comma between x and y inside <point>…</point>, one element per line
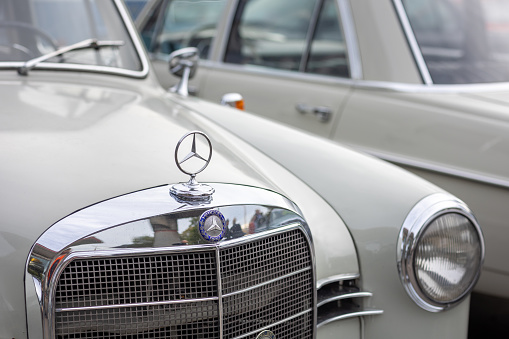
<point>89,144</point>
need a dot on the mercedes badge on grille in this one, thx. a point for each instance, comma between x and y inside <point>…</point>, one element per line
<point>266,335</point>
<point>212,225</point>
<point>191,161</point>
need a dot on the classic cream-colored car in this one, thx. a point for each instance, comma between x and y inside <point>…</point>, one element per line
<point>127,211</point>
<point>423,84</point>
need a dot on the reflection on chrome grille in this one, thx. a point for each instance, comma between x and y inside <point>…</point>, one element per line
<point>265,284</point>
<point>189,320</point>
<point>263,260</point>
<point>129,280</point>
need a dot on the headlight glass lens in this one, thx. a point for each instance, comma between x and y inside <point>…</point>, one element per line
<point>447,258</point>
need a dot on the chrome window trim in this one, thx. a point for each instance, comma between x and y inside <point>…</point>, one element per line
<point>230,11</point>
<point>421,88</point>
<point>276,73</point>
<point>442,169</point>
<point>313,23</point>
<point>416,222</point>
<point>98,69</point>
<point>412,42</point>
<point>397,87</point>
<point>350,34</point>
<point>56,244</point>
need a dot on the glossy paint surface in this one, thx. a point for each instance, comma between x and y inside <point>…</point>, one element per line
<point>453,135</point>
<point>74,139</point>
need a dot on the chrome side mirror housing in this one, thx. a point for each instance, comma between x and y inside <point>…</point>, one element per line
<point>183,64</point>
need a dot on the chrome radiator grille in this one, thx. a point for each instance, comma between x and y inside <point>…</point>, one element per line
<point>266,283</point>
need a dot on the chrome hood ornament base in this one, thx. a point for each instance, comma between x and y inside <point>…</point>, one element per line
<point>192,190</point>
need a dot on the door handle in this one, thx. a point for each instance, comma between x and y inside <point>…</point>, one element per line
<point>323,113</point>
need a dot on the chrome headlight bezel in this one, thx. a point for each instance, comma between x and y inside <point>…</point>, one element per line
<point>424,214</point>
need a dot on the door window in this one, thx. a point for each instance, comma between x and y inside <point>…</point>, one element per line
<point>187,23</point>
<point>288,35</point>
<point>270,33</point>
<point>328,49</point>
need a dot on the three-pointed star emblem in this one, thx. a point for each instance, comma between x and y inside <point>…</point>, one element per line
<point>193,152</point>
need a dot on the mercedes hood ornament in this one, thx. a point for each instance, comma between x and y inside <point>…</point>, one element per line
<point>192,156</point>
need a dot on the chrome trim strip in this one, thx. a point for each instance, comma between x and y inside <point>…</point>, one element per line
<point>401,161</point>
<point>155,303</point>
<point>219,293</point>
<point>275,324</point>
<point>421,88</point>
<point>353,52</point>
<point>345,296</point>
<point>276,73</point>
<point>126,17</point>
<point>313,21</point>
<point>336,278</point>
<point>350,315</point>
<point>230,12</point>
<point>362,84</point>
<point>147,203</point>
<point>416,222</point>
<point>412,42</point>
<point>268,282</point>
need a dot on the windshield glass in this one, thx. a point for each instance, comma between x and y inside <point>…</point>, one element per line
<point>462,41</point>
<point>32,28</point>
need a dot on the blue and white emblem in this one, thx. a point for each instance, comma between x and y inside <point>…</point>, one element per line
<point>212,225</point>
<point>266,335</point>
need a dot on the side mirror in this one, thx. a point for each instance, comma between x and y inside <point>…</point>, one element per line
<point>183,64</point>
<point>233,100</point>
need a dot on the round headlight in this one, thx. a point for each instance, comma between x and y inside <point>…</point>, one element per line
<point>440,252</point>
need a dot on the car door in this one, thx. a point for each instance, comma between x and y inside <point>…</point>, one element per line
<point>288,58</point>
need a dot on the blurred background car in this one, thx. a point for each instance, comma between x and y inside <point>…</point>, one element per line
<point>423,84</point>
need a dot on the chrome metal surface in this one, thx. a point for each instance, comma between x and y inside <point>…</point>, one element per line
<point>339,297</point>
<point>425,212</point>
<point>402,161</point>
<point>336,278</point>
<point>346,314</point>
<point>212,226</point>
<point>412,42</point>
<point>310,34</point>
<point>124,287</point>
<point>180,290</point>
<point>193,190</point>
<point>321,112</point>
<point>354,56</point>
<point>183,64</point>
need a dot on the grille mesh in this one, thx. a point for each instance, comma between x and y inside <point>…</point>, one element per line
<point>128,280</point>
<point>263,260</point>
<point>264,282</point>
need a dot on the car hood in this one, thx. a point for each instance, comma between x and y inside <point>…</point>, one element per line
<point>88,145</point>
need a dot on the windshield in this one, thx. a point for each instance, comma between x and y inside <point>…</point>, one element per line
<point>462,41</point>
<point>33,28</point>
